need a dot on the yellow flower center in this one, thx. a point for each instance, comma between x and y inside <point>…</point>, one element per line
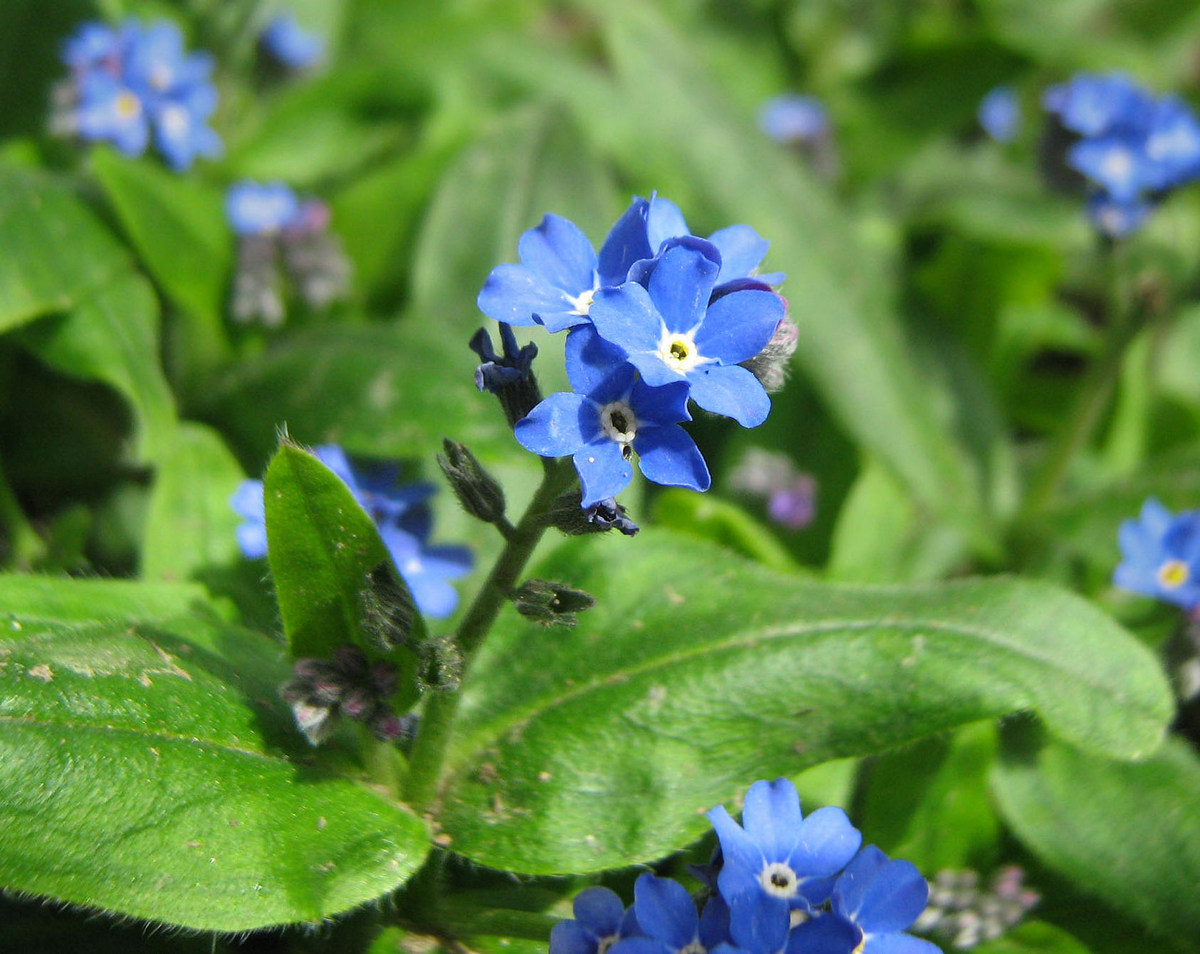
<point>1173,574</point>
<point>678,351</point>
<point>128,105</point>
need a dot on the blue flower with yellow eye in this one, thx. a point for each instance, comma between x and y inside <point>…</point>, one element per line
<point>1161,555</point>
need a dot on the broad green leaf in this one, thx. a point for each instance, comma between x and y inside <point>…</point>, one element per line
<point>697,673</point>
<point>390,391</point>
<point>148,768</point>
<point>529,163</point>
<point>1033,937</point>
<point>112,336</point>
<point>851,344</point>
<point>178,227</point>
<point>324,552</point>
<point>190,524</point>
<point>54,252</point>
<point>1126,831</point>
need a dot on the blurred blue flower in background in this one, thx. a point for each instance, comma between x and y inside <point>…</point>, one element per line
<point>1161,555</point>
<point>402,514</point>
<point>1132,147</point>
<point>290,44</point>
<point>790,118</point>
<point>260,208</point>
<point>134,82</point>
<point>1000,114</point>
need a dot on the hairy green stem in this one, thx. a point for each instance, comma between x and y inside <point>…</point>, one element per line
<point>437,718</point>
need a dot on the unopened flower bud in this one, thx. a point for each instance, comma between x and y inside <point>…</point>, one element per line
<point>550,603</point>
<point>478,491</point>
<point>567,514</point>
<point>508,375</point>
<point>770,365</point>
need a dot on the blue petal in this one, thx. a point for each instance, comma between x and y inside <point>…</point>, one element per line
<point>591,363</point>
<point>732,391</point>
<point>603,471</point>
<point>252,540</point>
<point>741,248</point>
<point>660,405</point>
<point>447,560</point>
<point>738,326</point>
<point>669,456</point>
<point>824,934</point>
<point>759,922</point>
<point>433,597</point>
<point>879,895</point>
<point>826,843</point>
<point>559,425</point>
<point>626,243</point>
<point>742,857</point>
<point>663,221</point>
<point>559,252</point>
<point>665,910</point>
<point>570,937</point>
<point>899,944</point>
<point>771,816</point>
<point>514,294</point>
<point>714,923</point>
<point>680,287</point>
<point>640,945</point>
<point>600,909</point>
<point>247,501</point>
<point>626,316</point>
<point>333,457</point>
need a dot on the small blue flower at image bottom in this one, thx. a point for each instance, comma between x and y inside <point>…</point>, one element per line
<point>671,332</point>
<point>777,861</point>
<point>874,900</point>
<point>1000,114</point>
<point>401,514</point>
<point>600,922</point>
<point>609,416</point>
<point>669,923</point>
<point>290,44</point>
<point>1161,555</point>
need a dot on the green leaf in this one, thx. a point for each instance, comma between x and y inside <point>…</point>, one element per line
<point>697,673</point>
<point>392,391</point>
<point>178,227</point>
<point>1033,937</point>
<point>190,524</point>
<point>148,768</point>
<point>111,335</point>
<point>324,553</point>
<point>54,252</point>
<point>529,163</point>
<point>712,518</point>
<point>1126,831</point>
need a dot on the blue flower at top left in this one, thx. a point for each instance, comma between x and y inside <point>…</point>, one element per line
<point>402,515</point>
<point>136,84</point>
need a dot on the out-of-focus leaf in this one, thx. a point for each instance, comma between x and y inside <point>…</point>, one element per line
<point>149,768</point>
<point>1033,937</point>
<point>178,227</point>
<point>54,252</point>
<point>1126,831</point>
<point>190,524</point>
<point>111,336</point>
<point>711,518</point>
<point>697,672</point>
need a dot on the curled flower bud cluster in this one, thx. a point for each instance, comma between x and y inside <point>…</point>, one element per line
<point>657,319</point>
<point>790,495</point>
<point>781,883</point>
<point>134,84</point>
<point>322,690</point>
<point>275,228</point>
<point>965,914</point>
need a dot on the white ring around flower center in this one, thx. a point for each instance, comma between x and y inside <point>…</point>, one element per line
<point>678,351</point>
<point>582,303</point>
<point>619,422</point>
<point>779,880</point>
<point>604,943</point>
<point>1173,573</point>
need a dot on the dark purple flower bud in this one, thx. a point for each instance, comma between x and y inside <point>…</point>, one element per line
<point>508,375</point>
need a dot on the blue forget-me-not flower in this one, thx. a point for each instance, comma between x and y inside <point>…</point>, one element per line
<point>669,922</point>
<point>1161,555</point>
<point>600,922</point>
<point>290,44</point>
<point>1131,146</point>
<point>402,515</point>
<point>1000,114</point>
<point>134,84</point>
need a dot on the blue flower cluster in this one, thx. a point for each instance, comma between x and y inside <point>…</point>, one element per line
<point>656,318</point>
<point>132,83</point>
<point>1161,554</point>
<point>1132,146</point>
<point>402,515</point>
<point>782,884</point>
